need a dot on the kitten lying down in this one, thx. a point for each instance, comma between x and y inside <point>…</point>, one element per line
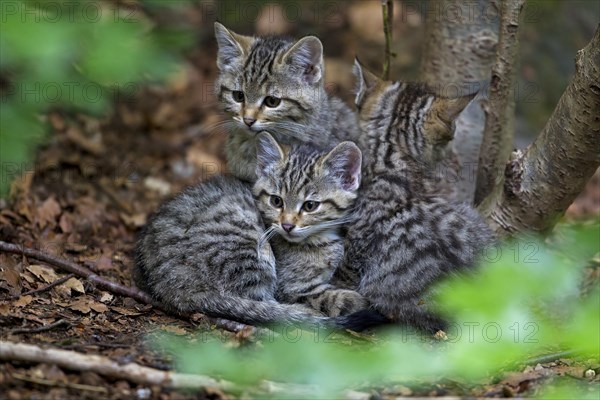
<point>200,251</point>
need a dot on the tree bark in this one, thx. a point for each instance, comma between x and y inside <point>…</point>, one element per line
<point>460,45</point>
<point>544,179</point>
<point>387,7</point>
<point>499,130</point>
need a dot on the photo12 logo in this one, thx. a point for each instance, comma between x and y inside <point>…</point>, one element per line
<point>65,11</point>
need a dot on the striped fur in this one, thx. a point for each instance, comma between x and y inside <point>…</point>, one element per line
<point>308,254</point>
<point>405,235</point>
<point>198,253</point>
<point>291,71</point>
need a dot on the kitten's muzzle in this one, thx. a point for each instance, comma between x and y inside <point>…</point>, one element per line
<point>249,121</point>
<point>288,227</point>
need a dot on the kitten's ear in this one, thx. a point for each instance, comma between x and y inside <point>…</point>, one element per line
<point>365,80</point>
<point>307,55</point>
<point>344,163</point>
<point>268,153</point>
<point>231,47</point>
<point>448,109</point>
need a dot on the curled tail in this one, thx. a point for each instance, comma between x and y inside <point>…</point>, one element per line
<point>249,311</point>
<point>270,312</point>
<point>361,320</point>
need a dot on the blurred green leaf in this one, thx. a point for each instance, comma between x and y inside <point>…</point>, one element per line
<point>67,55</point>
<point>518,305</point>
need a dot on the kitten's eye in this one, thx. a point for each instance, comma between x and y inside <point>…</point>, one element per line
<point>271,101</point>
<point>276,201</point>
<point>237,95</point>
<point>310,206</point>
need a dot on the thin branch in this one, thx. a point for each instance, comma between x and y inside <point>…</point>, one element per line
<point>114,287</point>
<point>105,366</point>
<point>388,18</point>
<point>70,385</point>
<point>140,374</point>
<point>549,357</point>
<point>499,109</point>
<point>78,270</point>
<point>43,328</point>
<point>542,181</point>
<point>49,286</point>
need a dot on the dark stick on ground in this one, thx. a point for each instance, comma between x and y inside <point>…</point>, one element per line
<point>112,287</point>
<point>43,328</point>
<point>49,286</point>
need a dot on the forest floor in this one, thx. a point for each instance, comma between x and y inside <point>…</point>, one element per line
<point>93,186</point>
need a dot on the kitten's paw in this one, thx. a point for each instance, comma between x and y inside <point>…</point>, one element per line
<point>347,302</point>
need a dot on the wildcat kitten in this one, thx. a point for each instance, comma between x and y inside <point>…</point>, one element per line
<point>405,236</point>
<point>199,253</point>
<point>276,84</point>
<point>305,196</point>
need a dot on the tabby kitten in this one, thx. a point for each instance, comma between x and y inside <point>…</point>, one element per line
<point>198,253</point>
<point>305,196</point>
<point>405,236</point>
<point>276,84</point>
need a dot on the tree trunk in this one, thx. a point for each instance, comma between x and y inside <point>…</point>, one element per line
<point>544,179</point>
<point>499,129</point>
<point>460,45</point>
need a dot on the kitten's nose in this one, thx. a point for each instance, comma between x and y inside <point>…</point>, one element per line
<point>288,227</point>
<point>249,121</point>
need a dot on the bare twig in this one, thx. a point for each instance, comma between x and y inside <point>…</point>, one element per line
<point>78,270</point>
<point>43,328</point>
<point>388,17</point>
<point>549,357</point>
<point>111,286</point>
<point>45,288</point>
<point>70,385</point>
<point>105,366</point>
<point>499,109</point>
<point>137,373</point>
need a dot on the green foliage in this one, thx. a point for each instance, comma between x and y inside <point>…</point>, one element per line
<point>65,54</point>
<point>524,302</point>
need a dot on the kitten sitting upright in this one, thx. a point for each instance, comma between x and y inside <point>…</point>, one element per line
<point>406,236</point>
<point>276,84</point>
<point>305,196</point>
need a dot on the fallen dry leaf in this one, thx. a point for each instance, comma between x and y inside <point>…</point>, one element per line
<point>72,285</point>
<point>124,311</point>
<point>106,297</point>
<point>161,186</point>
<point>85,305</point>
<point>48,212</point>
<point>92,144</point>
<point>23,301</point>
<point>46,274</point>
<point>135,220</point>
<point>10,274</point>
<point>65,223</point>
<point>98,307</point>
<point>81,306</point>
<point>174,329</point>
<point>104,263</point>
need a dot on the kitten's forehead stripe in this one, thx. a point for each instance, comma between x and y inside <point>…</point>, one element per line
<point>259,64</point>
